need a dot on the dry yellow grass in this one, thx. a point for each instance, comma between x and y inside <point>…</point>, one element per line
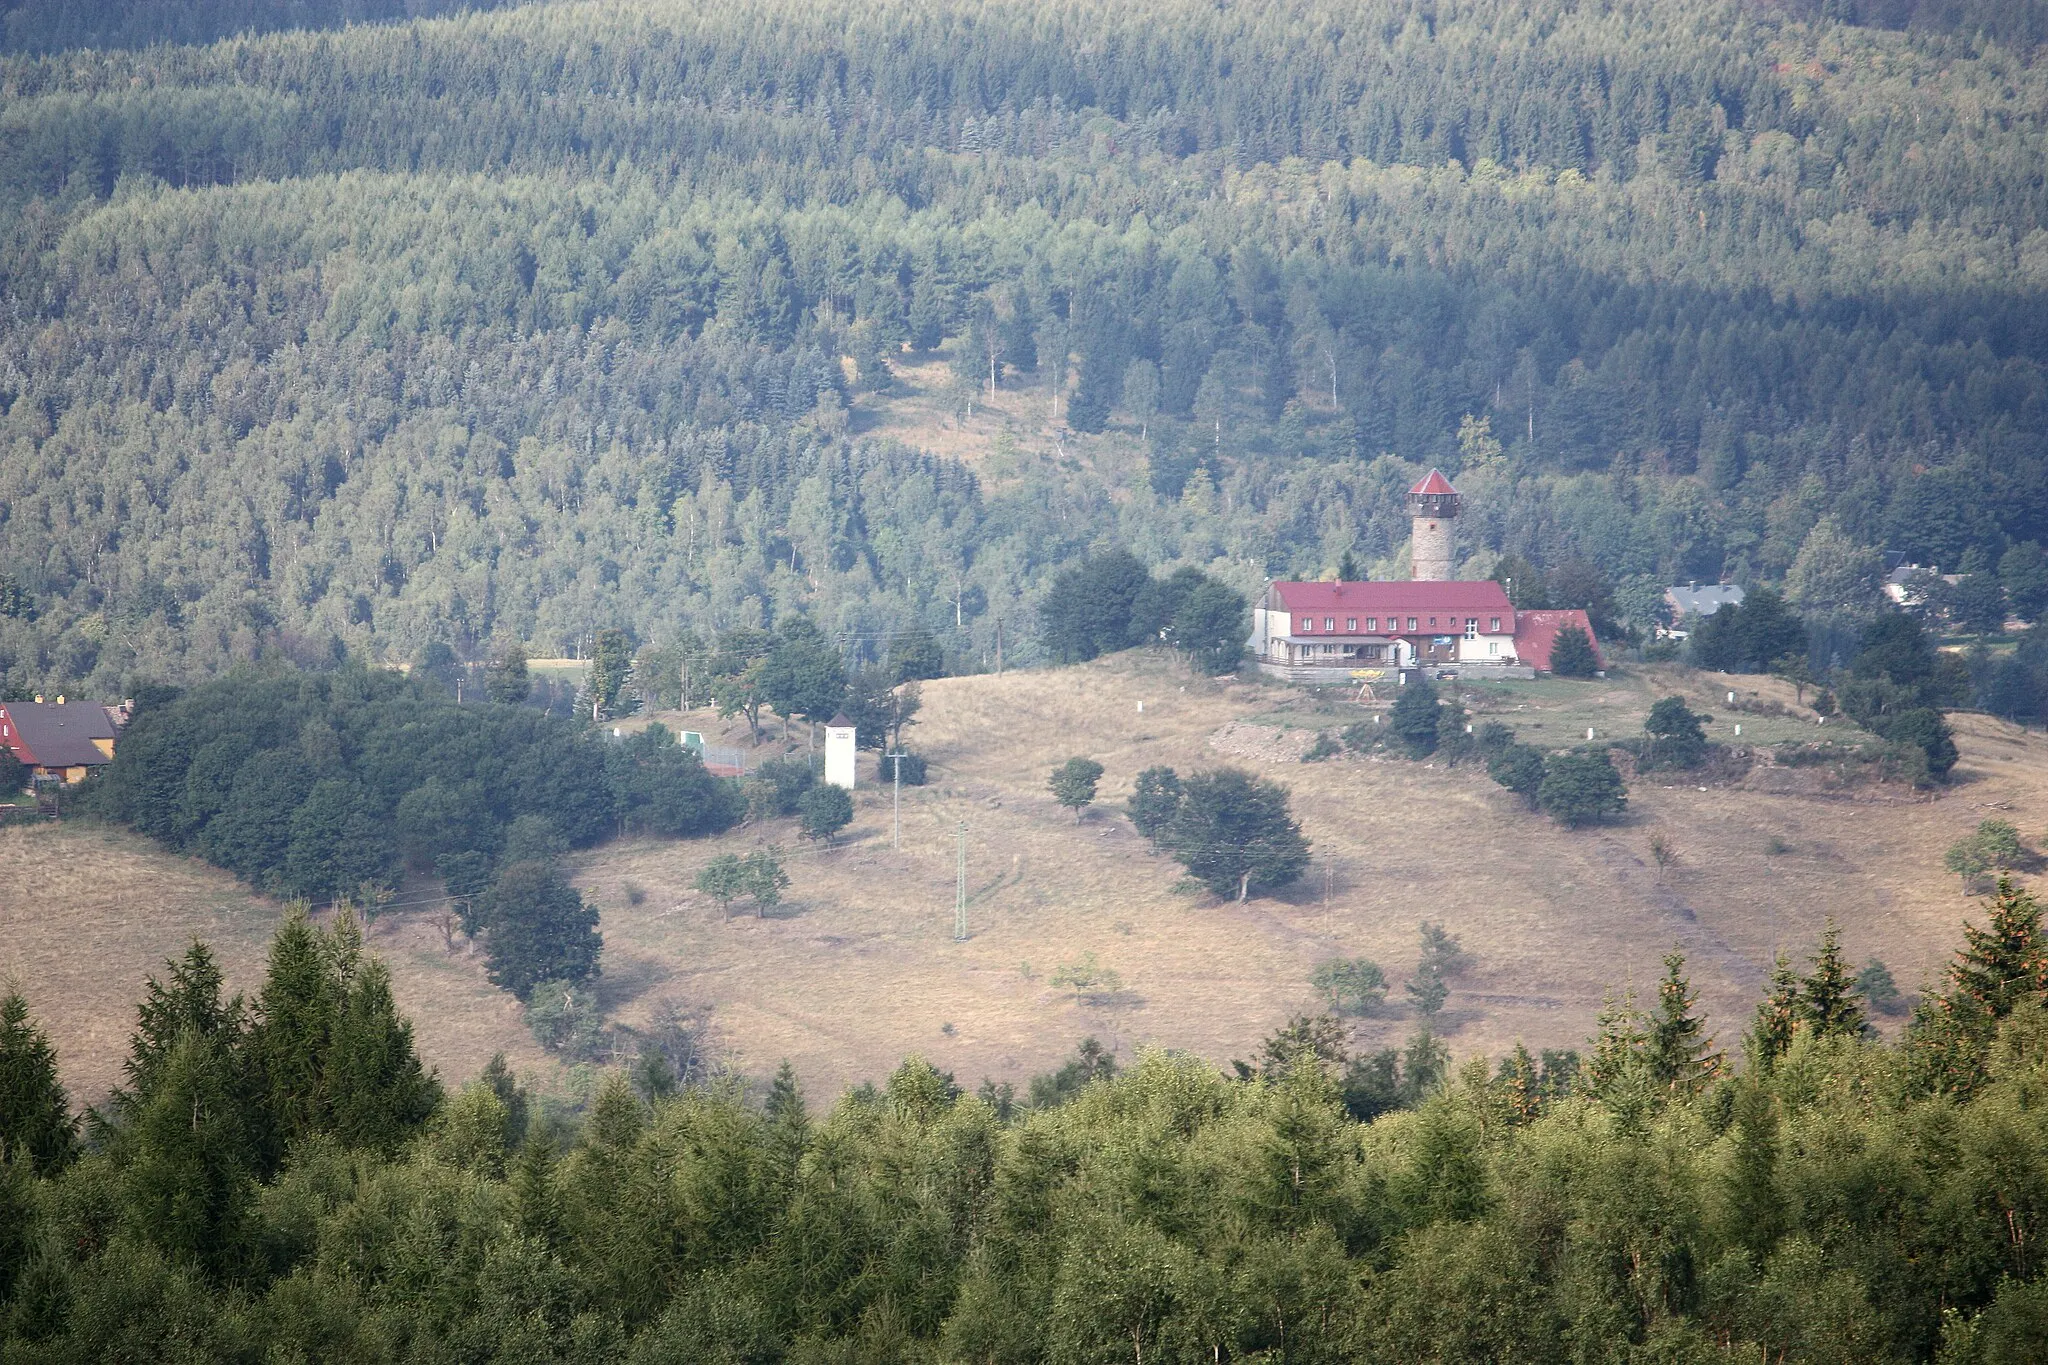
<point>89,913</point>
<point>860,968</point>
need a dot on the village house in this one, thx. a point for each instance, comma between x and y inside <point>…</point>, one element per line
<point>66,740</point>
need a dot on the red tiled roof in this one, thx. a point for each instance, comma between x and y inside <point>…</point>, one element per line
<point>1392,597</point>
<point>1435,483</point>
<point>1536,632</point>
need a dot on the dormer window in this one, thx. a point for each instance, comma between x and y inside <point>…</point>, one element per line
<point>1372,623</point>
<point>1495,627</point>
<point>1471,627</point>
<point>1351,624</point>
<point>1308,625</point>
<point>1411,623</point>
<point>1329,623</point>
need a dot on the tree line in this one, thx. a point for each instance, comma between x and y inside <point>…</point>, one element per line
<point>279,1175</point>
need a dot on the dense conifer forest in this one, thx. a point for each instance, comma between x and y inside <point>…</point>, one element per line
<point>525,322</point>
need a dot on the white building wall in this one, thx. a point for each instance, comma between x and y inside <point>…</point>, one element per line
<point>841,754</point>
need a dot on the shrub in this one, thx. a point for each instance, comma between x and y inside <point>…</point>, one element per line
<point>1323,748</point>
<point>915,771</point>
<point>823,811</point>
<point>1352,985</point>
<point>777,786</point>
<point>1521,769</point>
<point>1678,738</point>
<point>1088,978</point>
<point>1580,788</point>
<point>1491,739</point>
<point>564,1018</point>
<point>1874,983</point>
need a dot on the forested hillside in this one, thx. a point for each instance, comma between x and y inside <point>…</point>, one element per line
<point>536,321</point>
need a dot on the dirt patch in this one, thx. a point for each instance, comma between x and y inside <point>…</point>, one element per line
<point>1262,743</point>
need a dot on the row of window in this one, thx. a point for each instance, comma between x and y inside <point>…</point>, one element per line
<point>1372,623</point>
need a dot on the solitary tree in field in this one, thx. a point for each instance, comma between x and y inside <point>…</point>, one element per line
<point>724,879</point>
<point>1233,832</point>
<point>538,929</point>
<point>1073,783</point>
<point>765,879</point>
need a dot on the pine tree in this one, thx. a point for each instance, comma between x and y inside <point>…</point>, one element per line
<point>1779,1017</point>
<point>1829,991</point>
<point>36,1125</point>
<point>1415,719</point>
<point>789,1124</point>
<point>538,1212</point>
<point>1678,1050</point>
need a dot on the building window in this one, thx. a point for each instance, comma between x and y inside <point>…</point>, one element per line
<point>1493,647</point>
<point>1432,623</point>
<point>1308,625</point>
<point>1471,627</point>
<point>1372,623</point>
<point>1329,623</point>
<point>1411,623</point>
<point>1495,627</point>
<point>1351,624</point>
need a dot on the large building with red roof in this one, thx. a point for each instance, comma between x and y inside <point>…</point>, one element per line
<point>1312,631</point>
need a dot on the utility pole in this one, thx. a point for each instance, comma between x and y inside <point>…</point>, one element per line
<point>960,890</point>
<point>999,647</point>
<point>896,835</point>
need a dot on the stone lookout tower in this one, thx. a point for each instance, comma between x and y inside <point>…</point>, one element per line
<point>1433,551</point>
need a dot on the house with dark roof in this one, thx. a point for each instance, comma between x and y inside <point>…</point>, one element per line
<point>66,740</point>
<point>1700,599</point>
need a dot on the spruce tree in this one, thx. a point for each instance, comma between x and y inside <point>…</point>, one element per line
<point>188,1157</point>
<point>1778,1017</point>
<point>1618,1043</point>
<point>288,1044</point>
<point>1678,1050</point>
<point>380,1092</point>
<point>190,1002</point>
<point>1829,991</point>
<point>1415,718</point>
<point>1520,1086</point>
<point>1998,966</point>
<point>36,1125</point>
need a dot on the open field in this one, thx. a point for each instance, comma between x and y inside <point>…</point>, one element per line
<point>859,967</point>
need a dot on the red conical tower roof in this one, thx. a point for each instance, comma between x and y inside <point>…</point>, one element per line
<point>1436,483</point>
